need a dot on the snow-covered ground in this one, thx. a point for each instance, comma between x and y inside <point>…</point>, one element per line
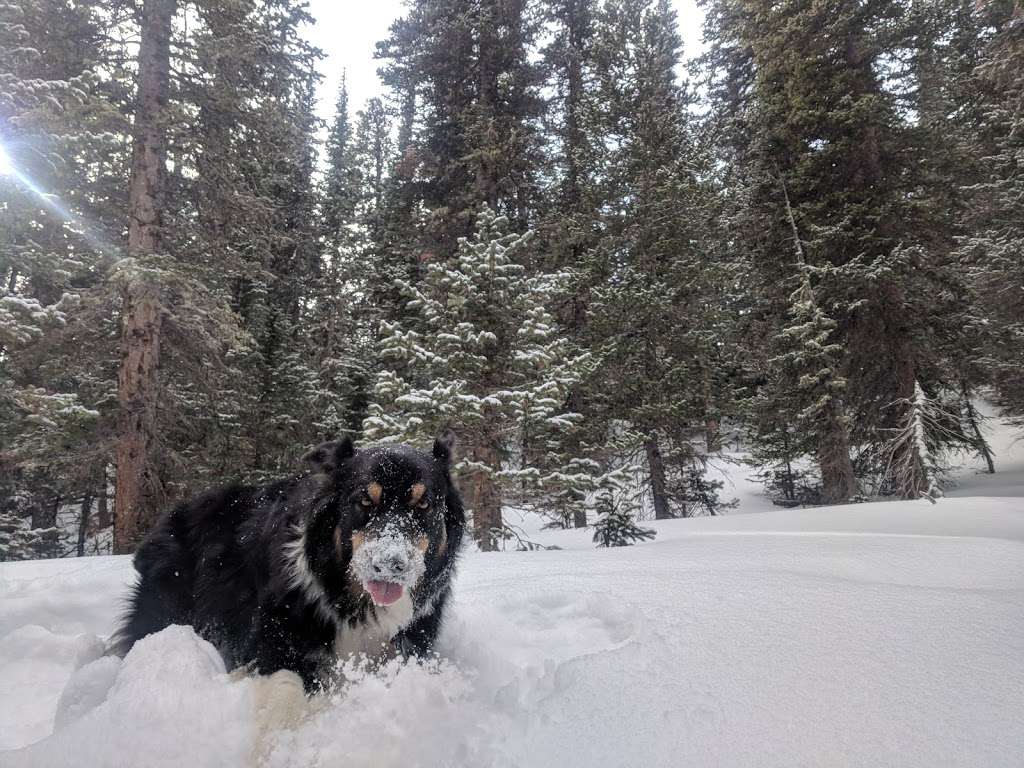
<point>866,635</point>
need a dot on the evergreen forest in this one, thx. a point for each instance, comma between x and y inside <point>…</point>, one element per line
<point>593,259</point>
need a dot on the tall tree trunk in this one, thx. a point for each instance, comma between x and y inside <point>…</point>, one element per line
<point>980,441</point>
<point>83,523</point>
<point>45,515</point>
<point>575,30</point>
<point>406,123</point>
<point>138,494</point>
<point>712,426</point>
<point>103,519</point>
<point>656,466</point>
<point>838,482</point>
<point>485,496</point>
<point>487,172</point>
<point>572,194</point>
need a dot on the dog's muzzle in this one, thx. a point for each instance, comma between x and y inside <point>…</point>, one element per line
<point>388,564</point>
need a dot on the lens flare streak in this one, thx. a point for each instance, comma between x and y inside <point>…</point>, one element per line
<point>9,173</point>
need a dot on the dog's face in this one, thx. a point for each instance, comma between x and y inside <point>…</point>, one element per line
<point>391,527</point>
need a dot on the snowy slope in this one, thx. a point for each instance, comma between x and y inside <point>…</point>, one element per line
<point>867,635</point>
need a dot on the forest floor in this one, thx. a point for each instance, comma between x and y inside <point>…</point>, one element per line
<point>887,633</point>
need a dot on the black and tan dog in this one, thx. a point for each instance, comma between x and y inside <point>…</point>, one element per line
<point>355,556</point>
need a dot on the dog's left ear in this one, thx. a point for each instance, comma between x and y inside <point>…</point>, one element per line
<point>443,447</point>
<point>328,456</point>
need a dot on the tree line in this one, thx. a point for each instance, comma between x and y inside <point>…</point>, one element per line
<point>590,259</point>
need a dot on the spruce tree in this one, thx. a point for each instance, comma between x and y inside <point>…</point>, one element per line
<point>20,541</point>
<point>477,103</point>
<point>807,366</point>
<point>252,208</point>
<point>652,299</point>
<point>485,361</point>
<point>233,282</point>
<point>60,205</point>
<point>569,227</point>
<point>616,524</point>
<point>341,323</point>
<point>341,190</point>
<point>817,106</point>
<point>992,251</point>
<point>373,154</point>
<point>914,451</point>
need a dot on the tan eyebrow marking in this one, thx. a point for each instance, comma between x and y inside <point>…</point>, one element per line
<point>374,491</point>
<point>358,539</point>
<point>423,544</point>
<point>416,492</point>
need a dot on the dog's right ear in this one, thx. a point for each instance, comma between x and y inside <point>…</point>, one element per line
<point>328,456</point>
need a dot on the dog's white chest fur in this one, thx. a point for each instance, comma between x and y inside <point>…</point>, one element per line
<point>373,635</point>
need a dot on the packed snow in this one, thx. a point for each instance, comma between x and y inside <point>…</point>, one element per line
<point>888,633</point>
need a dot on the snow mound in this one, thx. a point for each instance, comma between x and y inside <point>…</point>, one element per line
<point>861,635</point>
<point>36,663</point>
<point>167,704</point>
<point>417,714</point>
<point>86,690</point>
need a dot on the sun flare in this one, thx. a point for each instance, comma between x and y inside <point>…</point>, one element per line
<point>6,165</point>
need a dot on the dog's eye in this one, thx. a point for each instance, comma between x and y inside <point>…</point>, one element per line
<point>365,503</point>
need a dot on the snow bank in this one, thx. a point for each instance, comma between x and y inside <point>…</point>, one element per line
<point>866,635</point>
<point>169,704</point>
<point>721,643</point>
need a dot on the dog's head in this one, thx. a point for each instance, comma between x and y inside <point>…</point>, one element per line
<point>395,511</point>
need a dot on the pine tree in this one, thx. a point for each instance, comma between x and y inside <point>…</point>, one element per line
<point>569,227</point>
<point>353,290</point>
<point>616,524</point>
<point>341,186</point>
<point>477,101</point>
<point>993,249</point>
<point>373,155</point>
<point>250,230</point>
<point>700,493</point>
<point>808,363</point>
<point>914,451</point>
<point>486,362</point>
<point>651,304</point>
<point>569,63</point>
<point>233,211</point>
<point>384,215</point>
<point>59,194</point>
<point>811,101</point>
<point>233,282</point>
<point>19,541</point>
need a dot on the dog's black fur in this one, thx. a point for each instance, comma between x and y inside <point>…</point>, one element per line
<point>264,572</point>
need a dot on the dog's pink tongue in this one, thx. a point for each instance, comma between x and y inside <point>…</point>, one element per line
<point>384,592</point>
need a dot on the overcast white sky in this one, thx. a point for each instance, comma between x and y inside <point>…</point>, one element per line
<point>347,32</point>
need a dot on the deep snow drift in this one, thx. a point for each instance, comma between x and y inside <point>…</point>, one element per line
<point>876,634</point>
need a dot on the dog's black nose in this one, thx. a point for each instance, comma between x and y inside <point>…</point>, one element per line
<point>394,566</point>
